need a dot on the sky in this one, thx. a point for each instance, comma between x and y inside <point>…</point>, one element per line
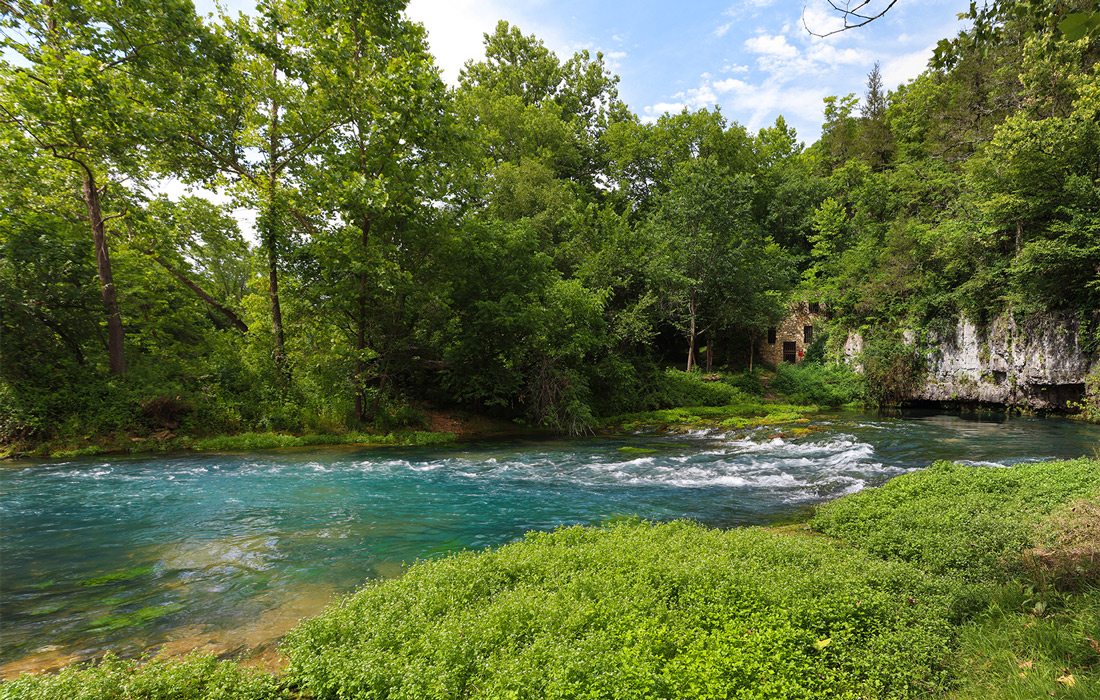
<point>754,59</point>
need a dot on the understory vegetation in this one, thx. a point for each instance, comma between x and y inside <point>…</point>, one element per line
<point>955,582</point>
<point>520,244</point>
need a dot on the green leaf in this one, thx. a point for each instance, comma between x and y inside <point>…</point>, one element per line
<point>1079,25</point>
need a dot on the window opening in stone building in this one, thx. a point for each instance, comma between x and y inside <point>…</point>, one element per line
<point>789,351</point>
<point>808,334</point>
<point>771,336</point>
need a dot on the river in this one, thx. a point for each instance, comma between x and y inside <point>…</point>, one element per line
<point>224,552</point>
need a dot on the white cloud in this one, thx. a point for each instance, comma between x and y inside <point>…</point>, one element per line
<point>785,61</point>
<point>819,18</point>
<point>735,68</point>
<point>615,60</point>
<point>721,30</point>
<point>899,69</point>
<point>827,53</point>
<point>456,29</point>
<point>729,84</point>
<point>756,105</point>
<point>771,46</point>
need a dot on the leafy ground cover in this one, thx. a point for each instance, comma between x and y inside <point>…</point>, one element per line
<point>957,582</point>
<point>1026,539</point>
<point>745,414</point>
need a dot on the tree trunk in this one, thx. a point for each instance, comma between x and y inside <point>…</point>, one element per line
<point>710,351</point>
<point>271,238</point>
<point>752,350</point>
<point>691,333</point>
<point>361,331</point>
<point>115,353</point>
<point>224,310</point>
<point>276,310</point>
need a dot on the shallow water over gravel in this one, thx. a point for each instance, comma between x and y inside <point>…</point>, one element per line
<point>227,551</point>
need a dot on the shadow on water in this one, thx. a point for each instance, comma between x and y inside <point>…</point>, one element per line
<point>225,552</point>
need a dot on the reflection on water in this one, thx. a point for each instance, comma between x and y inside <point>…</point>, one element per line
<point>227,552</point>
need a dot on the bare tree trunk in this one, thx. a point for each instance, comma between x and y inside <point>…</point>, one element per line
<point>361,330</point>
<point>752,350</point>
<point>115,352</point>
<point>710,351</point>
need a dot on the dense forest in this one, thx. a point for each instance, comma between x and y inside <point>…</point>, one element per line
<point>520,244</point>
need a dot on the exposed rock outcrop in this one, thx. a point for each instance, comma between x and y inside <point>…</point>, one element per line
<point>1037,363</point>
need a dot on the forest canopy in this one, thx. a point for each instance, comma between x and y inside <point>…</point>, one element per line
<point>520,244</point>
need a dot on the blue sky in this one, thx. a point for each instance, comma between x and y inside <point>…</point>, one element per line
<point>753,58</point>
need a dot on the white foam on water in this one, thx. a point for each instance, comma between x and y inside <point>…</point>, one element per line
<point>981,463</point>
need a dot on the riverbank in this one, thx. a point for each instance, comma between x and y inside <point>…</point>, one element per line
<point>693,401</point>
<point>955,582</point>
<point>440,428</point>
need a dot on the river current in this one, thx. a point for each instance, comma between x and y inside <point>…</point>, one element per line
<point>225,552</point>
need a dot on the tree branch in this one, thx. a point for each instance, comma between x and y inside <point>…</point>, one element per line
<point>852,14</point>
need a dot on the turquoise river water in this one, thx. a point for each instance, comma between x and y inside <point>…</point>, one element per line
<point>226,551</point>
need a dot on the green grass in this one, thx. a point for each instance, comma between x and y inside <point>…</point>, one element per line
<point>958,582</point>
<point>264,441</point>
<point>1026,540</point>
<point>1032,644</point>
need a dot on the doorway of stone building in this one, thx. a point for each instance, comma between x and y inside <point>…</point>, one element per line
<point>789,351</point>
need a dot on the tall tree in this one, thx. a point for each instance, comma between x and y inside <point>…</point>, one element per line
<point>381,170</point>
<point>712,262</point>
<point>89,88</point>
<point>255,116</point>
<point>876,141</point>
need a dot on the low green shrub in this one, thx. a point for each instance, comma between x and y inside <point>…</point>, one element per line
<point>1089,406</point>
<point>893,370</point>
<point>830,384</point>
<point>635,610</point>
<point>748,383</point>
<point>677,388</point>
<point>194,677</point>
<point>974,522</point>
<point>265,441</point>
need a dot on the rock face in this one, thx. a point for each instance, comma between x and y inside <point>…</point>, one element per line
<point>1035,363</point>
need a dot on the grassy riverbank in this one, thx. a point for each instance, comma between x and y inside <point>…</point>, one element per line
<point>679,402</point>
<point>955,582</point>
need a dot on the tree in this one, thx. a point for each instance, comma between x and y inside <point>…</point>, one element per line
<point>89,89</point>
<point>381,171</point>
<point>839,133</point>
<point>712,262</point>
<point>197,244</point>
<point>255,116</point>
<point>875,140</point>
